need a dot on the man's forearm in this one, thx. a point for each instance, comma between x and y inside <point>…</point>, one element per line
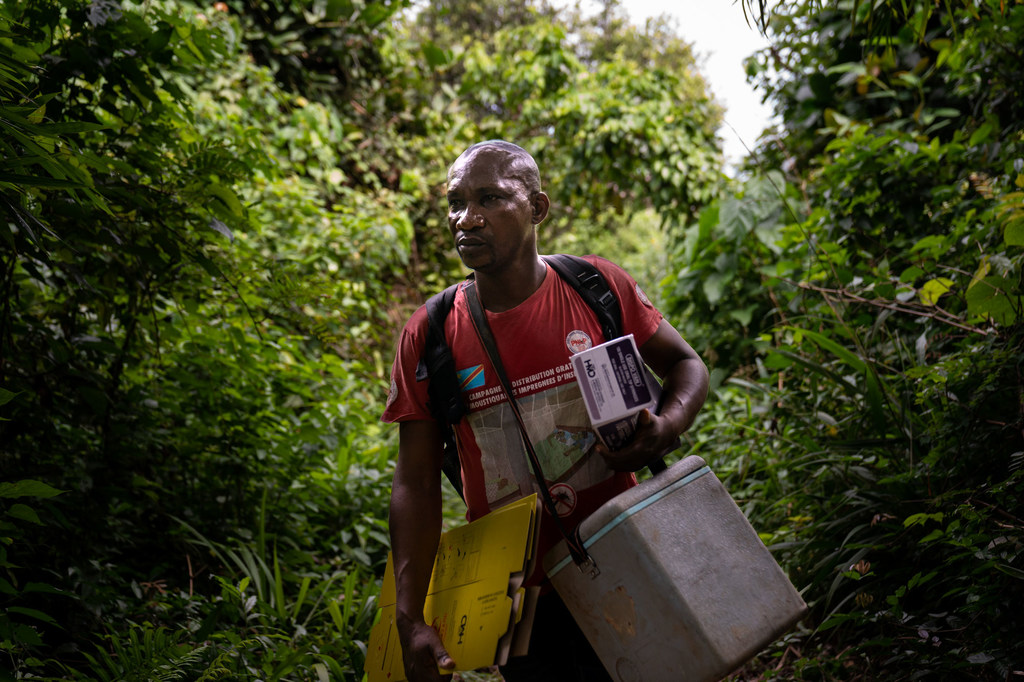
<point>684,390</point>
<point>415,534</point>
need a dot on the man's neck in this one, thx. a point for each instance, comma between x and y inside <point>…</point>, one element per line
<point>504,290</point>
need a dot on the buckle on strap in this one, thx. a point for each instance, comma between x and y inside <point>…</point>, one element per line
<point>589,567</point>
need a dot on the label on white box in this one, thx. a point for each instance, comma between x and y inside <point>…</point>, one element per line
<point>615,388</point>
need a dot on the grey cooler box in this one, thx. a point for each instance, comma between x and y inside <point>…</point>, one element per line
<point>684,589</point>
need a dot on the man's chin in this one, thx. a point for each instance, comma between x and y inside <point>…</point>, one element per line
<point>476,262</point>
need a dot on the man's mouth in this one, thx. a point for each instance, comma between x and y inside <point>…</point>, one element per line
<point>469,242</point>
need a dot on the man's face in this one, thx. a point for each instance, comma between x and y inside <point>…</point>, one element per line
<point>491,213</point>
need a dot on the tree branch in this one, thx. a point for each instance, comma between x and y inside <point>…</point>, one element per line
<point>937,314</point>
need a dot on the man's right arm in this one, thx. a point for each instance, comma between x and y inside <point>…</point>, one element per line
<point>415,525</point>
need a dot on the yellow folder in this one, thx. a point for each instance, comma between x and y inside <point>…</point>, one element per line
<point>475,601</point>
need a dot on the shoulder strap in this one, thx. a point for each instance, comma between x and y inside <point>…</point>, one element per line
<point>438,365</point>
<point>437,362</point>
<point>483,330</point>
<point>593,288</point>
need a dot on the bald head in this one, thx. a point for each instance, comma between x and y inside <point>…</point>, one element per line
<point>515,161</point>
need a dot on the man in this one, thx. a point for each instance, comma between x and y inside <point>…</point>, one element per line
<point>495,203</point>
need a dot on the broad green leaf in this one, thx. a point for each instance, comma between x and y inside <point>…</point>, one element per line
<point>25,513</point>
<point>208,265</point>
<point>435,56</point>
<point>1014,235</point>
<point>911,274</point>
<point>24,634</point>
<point>922,518</point>
<point>375,13</point>
<point>933,243</point>
<point>981,273</point>
<point>714,286</point>
<point>33,613</point>
<point>981,134</point>
<point>992,298</point>
<point>28,488</point>
<point>934,289</point>
<point>339,9</point>
<point>6,396</point>
<point>743,315</point>
<point>227,197</point>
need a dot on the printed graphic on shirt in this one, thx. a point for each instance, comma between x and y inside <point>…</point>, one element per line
<point>392,393</point>
<point>642,296</point>
<point>564,498</point>
<point>578,341</point>
<point>471,377</point>
<point>561,435</point>
<point>560,452</point>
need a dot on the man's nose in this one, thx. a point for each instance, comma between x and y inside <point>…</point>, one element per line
<point>470,218</point>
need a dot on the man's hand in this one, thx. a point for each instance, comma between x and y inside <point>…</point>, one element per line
<point>654,435</point>
<point>423,653</point>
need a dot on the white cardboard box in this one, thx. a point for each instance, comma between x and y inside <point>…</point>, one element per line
<point>616,386</point>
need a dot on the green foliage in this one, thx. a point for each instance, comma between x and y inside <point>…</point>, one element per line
<point>726,312</point>
<point>215,218</point>
<point>617,116</point>
<point>611,137</point>
<point>156,655</point>
<point>862,310</point>
<point>329,49</point>
<point>20,624</point>
<point>192,329</point>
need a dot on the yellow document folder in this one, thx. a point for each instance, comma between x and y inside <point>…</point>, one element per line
<point>475,601</point>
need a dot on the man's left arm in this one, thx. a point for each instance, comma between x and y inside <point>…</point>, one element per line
<point>684,389</point>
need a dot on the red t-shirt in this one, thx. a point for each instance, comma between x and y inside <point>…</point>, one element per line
<point>535,340</point>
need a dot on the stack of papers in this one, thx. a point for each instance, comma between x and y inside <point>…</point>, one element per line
<point>476,600</point>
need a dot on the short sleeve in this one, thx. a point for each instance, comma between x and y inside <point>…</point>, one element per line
<point>407,397</point>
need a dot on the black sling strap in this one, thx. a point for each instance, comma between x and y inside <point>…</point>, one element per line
<point>483,330</point>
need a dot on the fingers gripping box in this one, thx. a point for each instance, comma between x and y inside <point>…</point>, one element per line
<point>616,386</point>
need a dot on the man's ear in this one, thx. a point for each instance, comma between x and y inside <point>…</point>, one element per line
<point>540,204</point>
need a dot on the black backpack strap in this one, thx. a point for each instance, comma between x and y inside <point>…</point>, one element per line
<point>438,365</point>
<point>593,288</point>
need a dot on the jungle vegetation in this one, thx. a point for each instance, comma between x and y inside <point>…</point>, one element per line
<point>215,217</point>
